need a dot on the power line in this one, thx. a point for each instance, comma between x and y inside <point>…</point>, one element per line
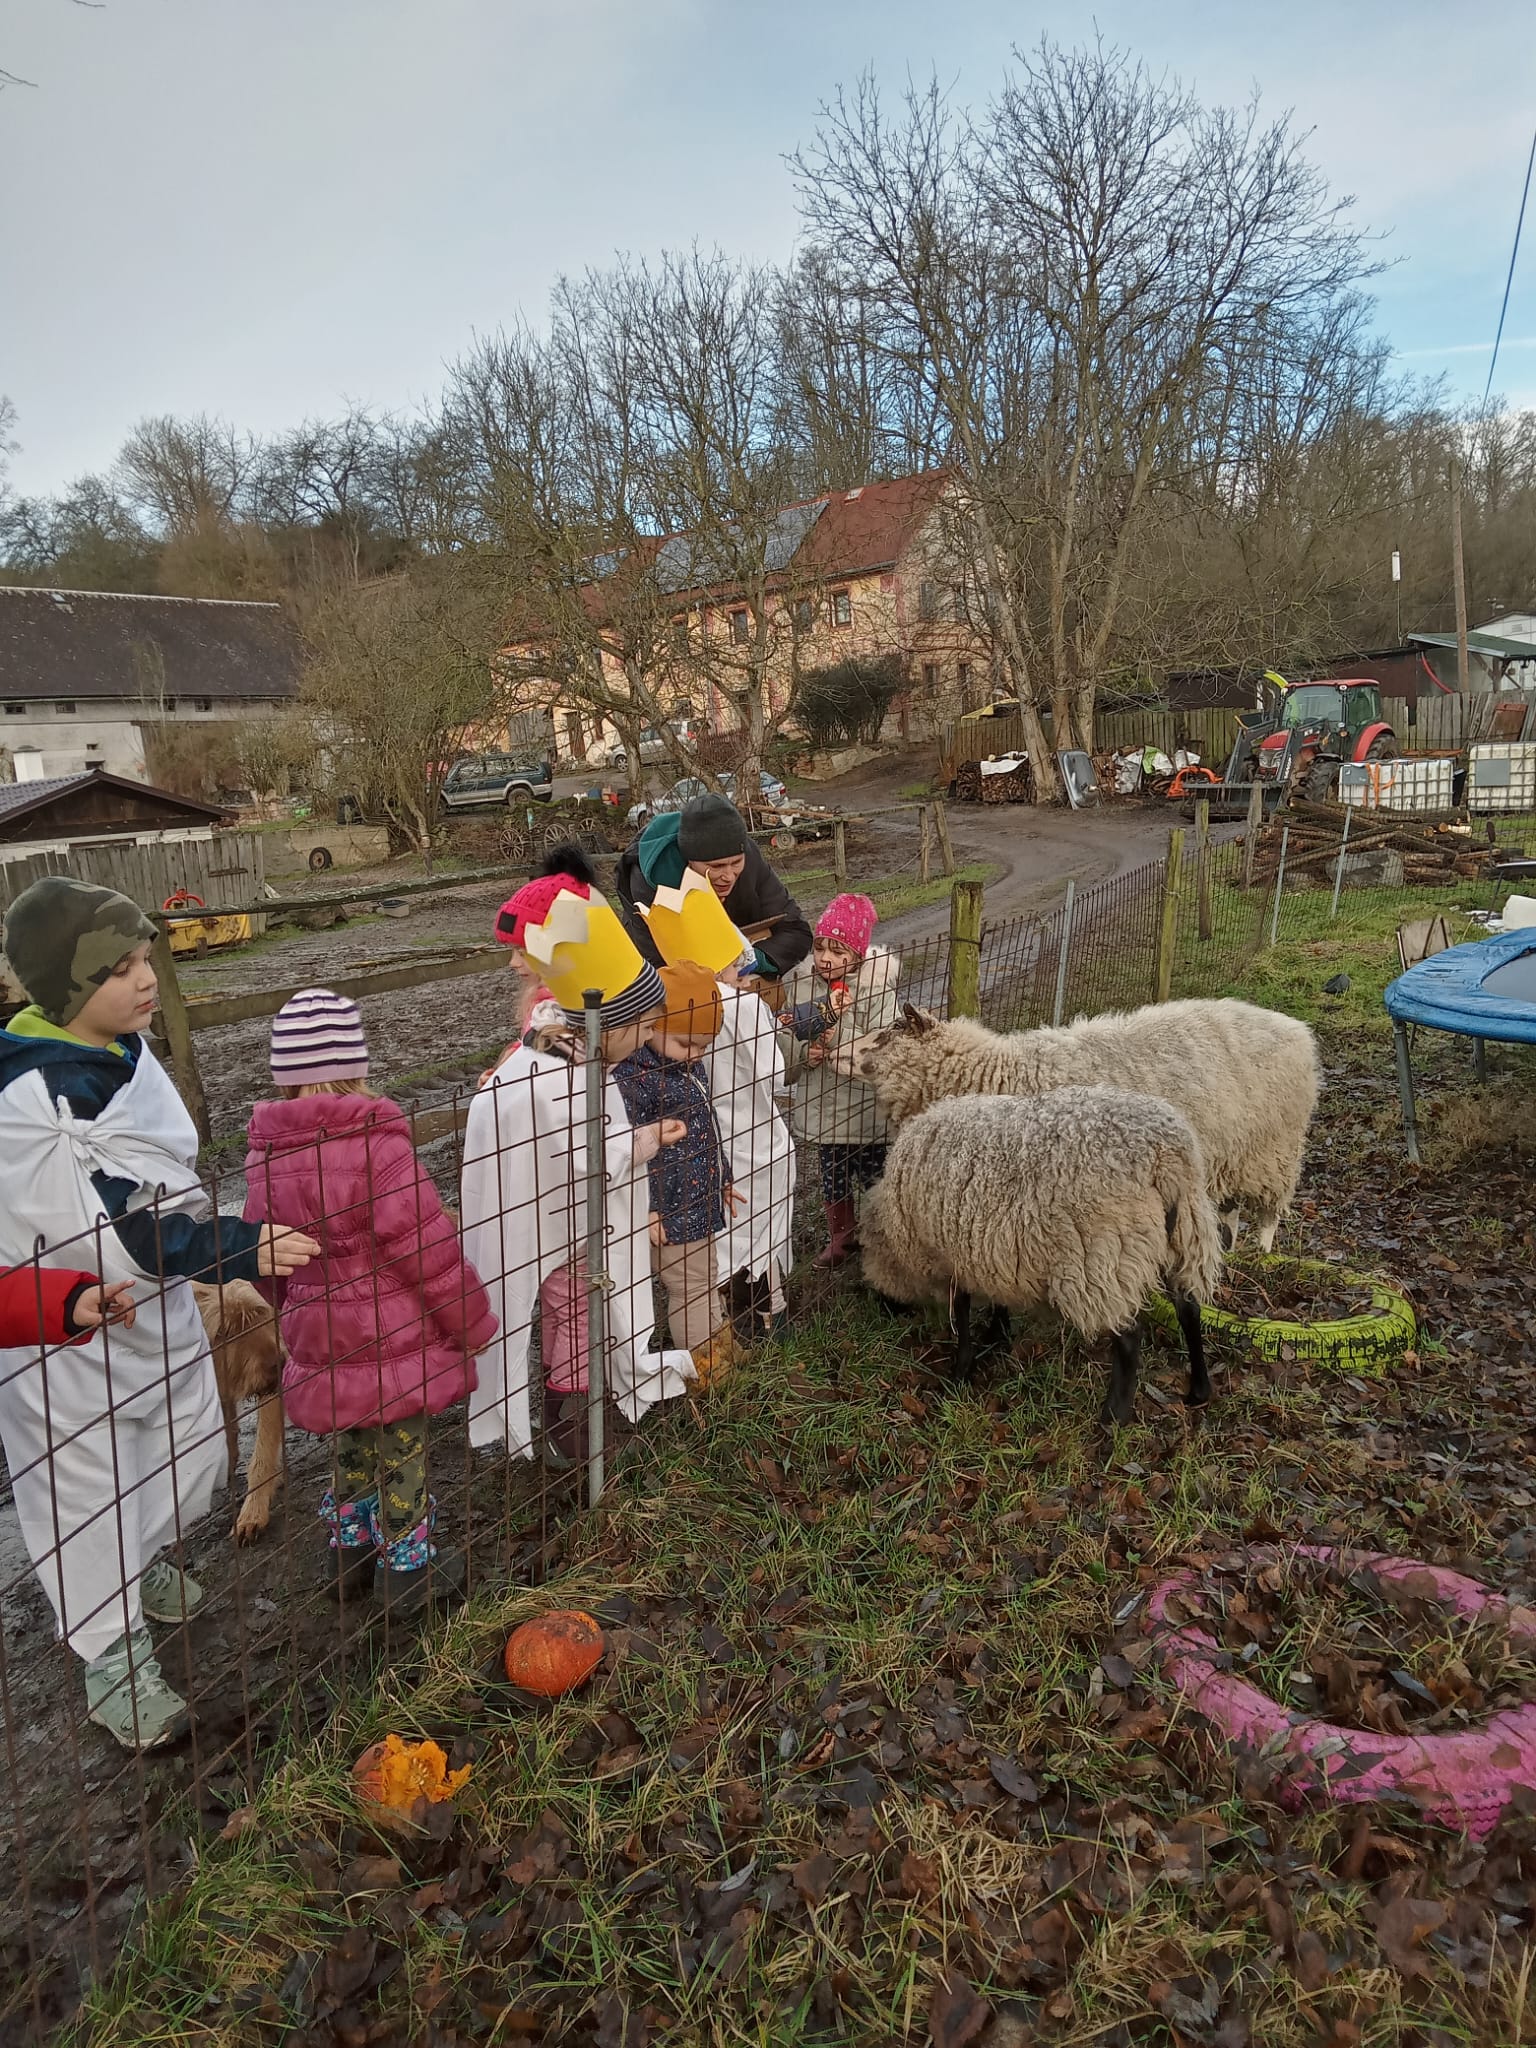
<point>1509,280</point>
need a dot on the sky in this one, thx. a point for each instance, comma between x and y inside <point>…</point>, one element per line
<point>267,209</point>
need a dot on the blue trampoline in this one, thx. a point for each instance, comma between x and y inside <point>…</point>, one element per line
<point>1480,991</point>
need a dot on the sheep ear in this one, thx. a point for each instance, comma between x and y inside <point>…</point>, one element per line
<point>918,1021</point>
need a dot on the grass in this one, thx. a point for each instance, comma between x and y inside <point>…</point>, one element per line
<point>842,1564</point>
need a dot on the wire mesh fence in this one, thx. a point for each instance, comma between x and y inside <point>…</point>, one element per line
<point>220,1523</point>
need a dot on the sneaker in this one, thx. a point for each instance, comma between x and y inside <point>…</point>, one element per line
<point>166,1594</point>
<point>405,1594</point>
<point>128,1696</point>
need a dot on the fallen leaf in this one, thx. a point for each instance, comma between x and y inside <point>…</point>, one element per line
<point>812,1877</point>
<point>370,1874</point>
<point>349,1965</point>
<point>1400,1926</point>
<point>1018,1784</point>
<point>957,2012</point>
<point>240,1822</point>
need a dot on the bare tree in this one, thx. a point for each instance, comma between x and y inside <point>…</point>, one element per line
<point>1076,278</point>
<point>399,670</point>
<point>188,476</point>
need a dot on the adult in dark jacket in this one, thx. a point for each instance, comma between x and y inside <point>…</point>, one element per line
<point>710,836</point>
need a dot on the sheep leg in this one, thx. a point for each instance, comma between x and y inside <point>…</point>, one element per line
<point>1269,1224</point>
<point>1229,1220</point>
<point>999,1331</point>
<point>960,1317</point>
<point>1188,1311</point>
<point>1125,1363</point>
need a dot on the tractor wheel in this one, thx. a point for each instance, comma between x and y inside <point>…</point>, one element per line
<point>1320,784</point>
<point>1383,748</point>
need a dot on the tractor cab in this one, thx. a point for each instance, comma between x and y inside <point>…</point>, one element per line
<point>1312,727</point>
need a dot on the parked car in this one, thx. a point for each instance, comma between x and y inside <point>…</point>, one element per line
<point>656,744</point>
<point>477,780</point>
<point>772,795</point>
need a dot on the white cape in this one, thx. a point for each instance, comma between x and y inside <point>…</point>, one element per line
<point>523,1215</point>
<point>746,1072</point>
<point>121,1438</point>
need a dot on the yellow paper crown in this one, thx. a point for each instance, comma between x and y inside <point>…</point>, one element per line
<point>580,945</point>
<point>689,923</point>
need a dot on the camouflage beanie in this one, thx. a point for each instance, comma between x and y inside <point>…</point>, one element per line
<point>64,937</point>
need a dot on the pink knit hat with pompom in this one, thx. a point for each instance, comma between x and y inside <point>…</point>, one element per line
<point>849,921</point>
<point>531,906</point>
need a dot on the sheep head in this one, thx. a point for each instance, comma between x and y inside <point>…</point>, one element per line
<point>891,1062</point>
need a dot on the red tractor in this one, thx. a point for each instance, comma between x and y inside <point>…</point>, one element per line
<point>1312,728</point>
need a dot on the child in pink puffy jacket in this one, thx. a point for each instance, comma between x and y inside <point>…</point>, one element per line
<point>382,1329</point>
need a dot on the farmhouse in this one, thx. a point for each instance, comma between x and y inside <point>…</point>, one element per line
<point>867,573</point>
<point>93,679</point>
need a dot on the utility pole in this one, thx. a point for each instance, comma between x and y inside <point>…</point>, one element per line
<point>1459,579</point>
<point>1397,593</point>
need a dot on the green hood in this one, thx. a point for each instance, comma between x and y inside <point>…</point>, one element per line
<point>661,863</point>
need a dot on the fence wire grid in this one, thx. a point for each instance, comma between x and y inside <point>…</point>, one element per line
<point>367,1397</point>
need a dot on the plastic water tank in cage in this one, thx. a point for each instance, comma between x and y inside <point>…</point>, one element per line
<point>1501,776</point>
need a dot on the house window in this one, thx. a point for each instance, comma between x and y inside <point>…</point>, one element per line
<point>15,710</point>
<point>930,679</point>
<point>957,603</point>
<point>168,704</point>
<point>65,709</point>
<point>680,636</point>
<point>741,627</point>
<point>202,703</point>
<point>963,677</point>
<point>803,614</point>
<point>842,608</point>
<point>927,601</point>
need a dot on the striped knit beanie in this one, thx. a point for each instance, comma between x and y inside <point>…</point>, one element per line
<point>318,1036</point>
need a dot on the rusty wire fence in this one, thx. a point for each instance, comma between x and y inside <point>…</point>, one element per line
<point>404,1411</point>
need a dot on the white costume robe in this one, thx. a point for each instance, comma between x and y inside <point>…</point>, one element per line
<point>523,1213</point>
<point>746,1072</point>
<point>122,1438</point>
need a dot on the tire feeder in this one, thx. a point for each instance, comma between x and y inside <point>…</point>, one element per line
<point>1463,1779</point>
<point>1366,1343</point>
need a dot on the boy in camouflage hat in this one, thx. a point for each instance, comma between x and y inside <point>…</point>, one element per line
<point>114,1445</point>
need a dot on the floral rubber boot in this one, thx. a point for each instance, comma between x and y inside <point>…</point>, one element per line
<point>411,1572</point>
<point>349,1566</point>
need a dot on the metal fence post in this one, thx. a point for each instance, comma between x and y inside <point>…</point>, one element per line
<point>597,1248</point>
<point>840,853</point>
<point>1274,916</point>
<point>1251,836</point>
<point>1338,870</point>
<point>965,907</point>
<point>1063,949</point>
<point>1203,864</point>
<point>1168,933</point>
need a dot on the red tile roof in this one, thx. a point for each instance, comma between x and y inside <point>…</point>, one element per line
<point>871,527</point>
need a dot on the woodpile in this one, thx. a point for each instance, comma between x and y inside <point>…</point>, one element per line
<point>1383,852</point>
<point>1014,787</point>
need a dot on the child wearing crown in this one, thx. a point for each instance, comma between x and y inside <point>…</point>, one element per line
<point>743,1070</point>
<point>523,1189</point>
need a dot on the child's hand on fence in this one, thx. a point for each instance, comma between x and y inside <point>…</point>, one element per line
<point>283,1251</point>
<point>841,999</point>
<point>735,1201</point>
<point>815,1053</point>
<point>108,1303</point>
<point>658,1235</point>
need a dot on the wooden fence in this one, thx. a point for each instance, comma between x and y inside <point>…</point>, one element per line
<point>228,868</point>
<point>1207,733</point>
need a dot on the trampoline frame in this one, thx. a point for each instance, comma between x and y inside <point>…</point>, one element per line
<point>1497,951</point>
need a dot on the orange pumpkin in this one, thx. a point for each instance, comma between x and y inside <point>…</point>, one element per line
<point>555,1653</point>
<point>390,1776</point>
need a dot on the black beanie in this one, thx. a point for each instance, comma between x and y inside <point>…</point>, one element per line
<point>711,828</point>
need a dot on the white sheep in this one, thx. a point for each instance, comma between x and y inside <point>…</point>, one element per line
<point>1086,1199</point>
<point>1246,1078</point>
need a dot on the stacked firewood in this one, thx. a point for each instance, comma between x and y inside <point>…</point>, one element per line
<point>1429,855</point>
<point>972,787</point>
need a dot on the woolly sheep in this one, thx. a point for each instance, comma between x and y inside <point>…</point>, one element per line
<point>1246,1078</point>
<point>1085,1198</point>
